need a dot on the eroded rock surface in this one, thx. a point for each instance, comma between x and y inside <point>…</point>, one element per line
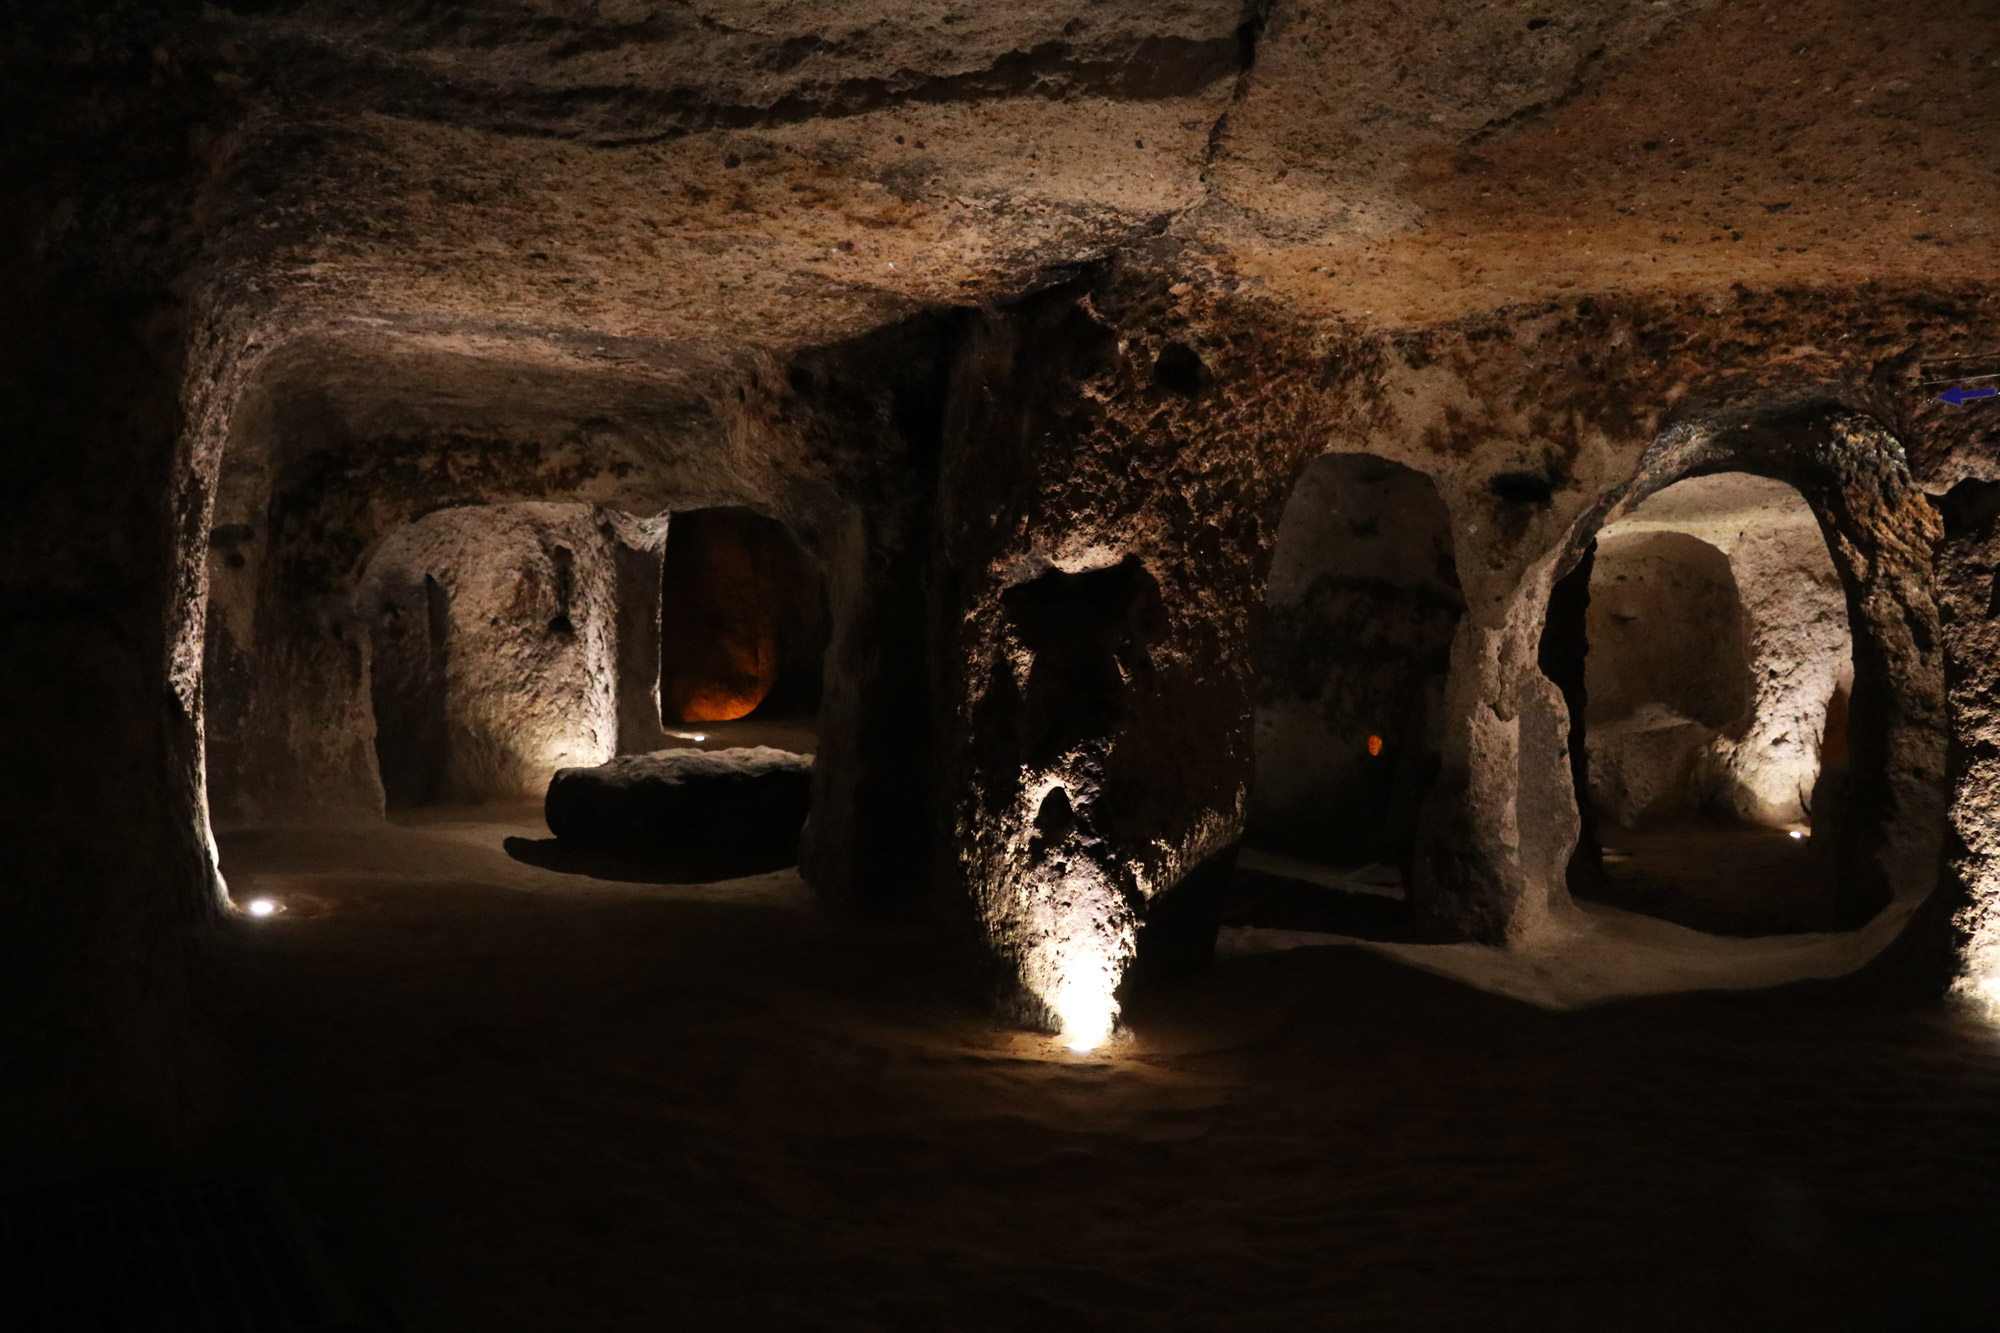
<point>493,636</point>
<point>1666,669</point>
<point>1787,637</point>
<point>1025,324</point>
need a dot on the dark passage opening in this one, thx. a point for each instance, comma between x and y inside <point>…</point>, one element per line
<point>743,620</point>
<point>743,628</point>
<point>1352,661</point>
<point>1088,633</point>
<point>407,685</point>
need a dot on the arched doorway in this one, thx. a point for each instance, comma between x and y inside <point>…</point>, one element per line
<point>1708,721</point>
<point>1352,658</point>
<point>743,620</point>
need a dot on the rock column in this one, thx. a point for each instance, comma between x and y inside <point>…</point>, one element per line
<point>1101,542</point>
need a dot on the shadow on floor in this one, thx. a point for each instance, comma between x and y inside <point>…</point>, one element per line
<point>658,867</point>
<point>1719,878</point>
<point>1282,902</point>
<point>619,1111</point>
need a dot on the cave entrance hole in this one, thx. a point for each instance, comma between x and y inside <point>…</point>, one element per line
<point>744,623</point>
<point>1351,660</point>
<point>1702,646</point>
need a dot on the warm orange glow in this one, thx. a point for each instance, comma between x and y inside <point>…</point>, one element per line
<point>723,594</point>
<point>718,703</point>
<point>1374,745</point>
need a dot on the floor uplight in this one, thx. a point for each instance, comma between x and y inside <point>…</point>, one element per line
<point>1085,1006</point>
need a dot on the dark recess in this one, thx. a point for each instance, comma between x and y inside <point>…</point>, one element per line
<point>1180,370</point>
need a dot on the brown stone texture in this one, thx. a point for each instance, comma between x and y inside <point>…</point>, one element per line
<point>1967,606</point>
<point>1880,535</point>
<point>493,636</point>
<point>1025,324</point>
<point>696,804</point>
<point>1730,706</point>
<point>1666,669</point>
<point>1766,761</point>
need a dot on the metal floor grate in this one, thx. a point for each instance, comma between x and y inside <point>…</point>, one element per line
<point>220,1258</point>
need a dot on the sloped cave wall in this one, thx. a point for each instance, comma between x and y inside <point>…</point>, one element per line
<point>111,885</point>
<point>1361,607</point>
<point>111,880</point>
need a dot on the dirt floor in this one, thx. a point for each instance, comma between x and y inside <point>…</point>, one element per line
<point>519,1099</point>
<point>1724,878</point>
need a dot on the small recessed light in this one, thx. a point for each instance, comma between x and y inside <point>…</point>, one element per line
<point>261,907</point>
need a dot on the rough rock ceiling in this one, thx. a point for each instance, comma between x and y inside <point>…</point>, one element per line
<point>661,186</point>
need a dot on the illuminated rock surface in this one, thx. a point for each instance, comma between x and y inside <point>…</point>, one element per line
<point>493,651</point>
<point>1027,327</point>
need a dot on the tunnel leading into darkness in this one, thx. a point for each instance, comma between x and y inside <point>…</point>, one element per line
<point>407,689</point>
<point>744,623</point>
<point>1703,649</point>
<point>1351,660</point>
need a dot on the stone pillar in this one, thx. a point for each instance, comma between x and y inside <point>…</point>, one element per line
<point>1563,655</point>
<point>871,843</point>
<point>307,737</point>
<point>1498,830</point>
<point>636,546</point>
<point>1101,545</point>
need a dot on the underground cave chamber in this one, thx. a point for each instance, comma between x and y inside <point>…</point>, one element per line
<point>1703,648</point>
<point>1137,451</point>
<point>479,648</point>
